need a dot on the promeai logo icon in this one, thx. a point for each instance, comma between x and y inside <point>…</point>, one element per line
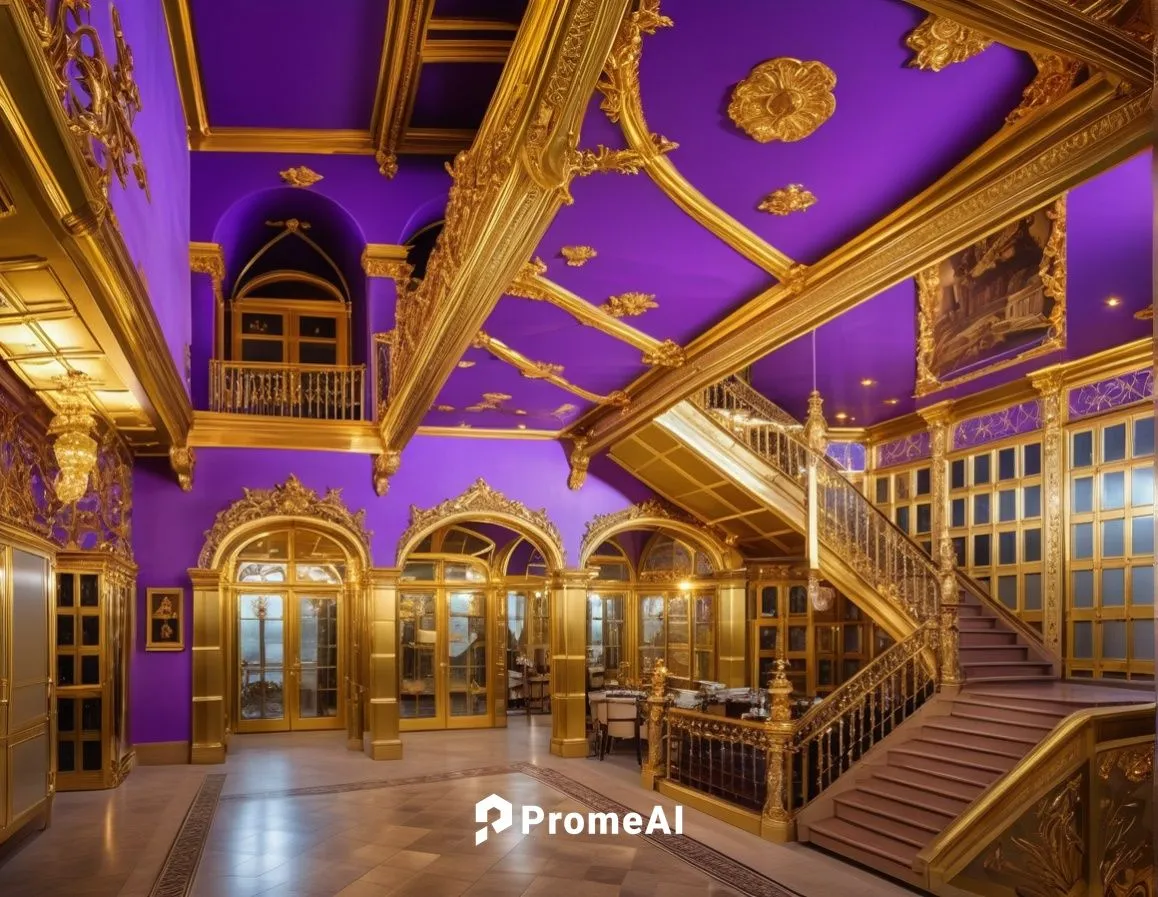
<point>656,822</point>
<point>482,815</point>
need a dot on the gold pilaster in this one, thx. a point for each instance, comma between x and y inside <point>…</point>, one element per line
<point>569,662</point>
<point>654,767</point>
<point>731,622</point>
<point>210,732</point>
<point>776,823</point>
<point>949,637</point>
<point>382,709</point>
<point>940,436</point>
<point>355,601</point>
<point>1050,386</point>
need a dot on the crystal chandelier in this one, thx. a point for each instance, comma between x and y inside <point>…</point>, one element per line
<point>74,447</point>
<point>820,597</point>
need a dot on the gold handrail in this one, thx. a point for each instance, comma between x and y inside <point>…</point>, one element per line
<point>313,391</point>
<point>1073,742</point>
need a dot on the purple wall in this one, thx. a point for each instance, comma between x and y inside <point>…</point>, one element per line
<point>169,525</point>
<point>156,229</point>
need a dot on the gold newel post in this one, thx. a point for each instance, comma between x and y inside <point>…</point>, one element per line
<point>654,767</point>
<point>776,823</point>
<point>949,627</point>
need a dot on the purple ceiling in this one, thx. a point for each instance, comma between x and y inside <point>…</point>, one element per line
<point>471,84</point>
<point>1109,236</point>
<point>289,68</point>
<point>895,130</point>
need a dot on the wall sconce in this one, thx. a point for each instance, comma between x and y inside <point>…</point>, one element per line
<point>74,447</point>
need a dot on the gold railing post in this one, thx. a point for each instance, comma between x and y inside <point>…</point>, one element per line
<point>654,765</point>
<point>949,629</point>
<point>776,822</point>
<point>1050,384</point>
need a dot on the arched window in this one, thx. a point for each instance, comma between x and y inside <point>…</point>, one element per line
<point>677,609</point>
<point>607,601</point>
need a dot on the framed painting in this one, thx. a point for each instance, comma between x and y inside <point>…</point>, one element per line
<point>997,302</point>
<point>166,619</point>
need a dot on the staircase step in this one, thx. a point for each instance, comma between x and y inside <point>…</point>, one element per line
<point>971,655</point>
<point>1005,730</point>
<point>975,638</point>
<point>1006,670</point>
<point>1029,710</point>
<point>966,609</point>
<point>970,774</point>
<point>975,624</point>
<point>872,849</point>
<point>937,787</point>
<point>894,789</point>
<point>980,758</point>
<point>913,825</point>
<point>947,736</point>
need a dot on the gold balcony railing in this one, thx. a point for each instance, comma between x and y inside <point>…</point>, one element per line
<point>848,522</point>
<point>317,392</point>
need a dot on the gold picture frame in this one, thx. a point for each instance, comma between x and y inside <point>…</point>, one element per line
<point>165,619</point>
<point>998,302</point>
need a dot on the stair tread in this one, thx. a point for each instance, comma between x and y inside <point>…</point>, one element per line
<point>998,747</point>
<point>876,843</point>
<point>1039,709</point>
<point>978,715</point>
<point>897,790</point>
<point>1000,731</point>
<point>971,773</point>
<point>947,752</point>
<point>917,824</point>
<point>922,780</point>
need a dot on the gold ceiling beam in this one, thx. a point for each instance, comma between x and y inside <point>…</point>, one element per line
<point>406,25</point>
<point>435,141</point>
<point>466,50</point>
<point>184,48</point>
<point>1053,26</point>
<point>543,370</point>
<point>286,140</point>
<point>459,24</point>
<point>506,190</point>
<point>1017,171</point>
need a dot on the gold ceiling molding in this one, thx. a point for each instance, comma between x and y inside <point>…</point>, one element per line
<point>1056,76</point>
<point>482,502</point>
<point>8,207</point>
<point>531,284</point>
<point>218,429</point>
<point>387,260</point>
<point>629,305</point>
<point>1146,314</point>
<point>184,48</point>
<point>505,190</point>
<point>208,258</point>
<point>319,141</point>
<point>576,256</point>
<point>622,103</point>
<point>940,42</point>
<point>290,499</point>
<point>101,98</point>
<point>656,513</point>
<point>1016,172</point>
<point>300,176</point>
<point>786,200</point>
<point>406,24</point>
<point>783,99</point>
<point>542,370</point>
<point>468,432</point>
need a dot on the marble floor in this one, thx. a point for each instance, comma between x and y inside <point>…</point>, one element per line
<point>298,814</point>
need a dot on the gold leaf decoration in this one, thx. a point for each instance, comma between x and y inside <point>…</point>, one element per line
<point>300,176</point>
<point>667,354</point>
<point>629,305</point>
<point>563,411</point>
<point>1146,314</point>
<point>490,402</point>
<point>1056,76</point>
<point>542,370</point>
<point>620,76</point>
<point>786,200</point>
<point>443,407</point>
<point>466,364</point>
<point>940,42</point>
<point>290,499</point>
<point>578,256</point>
<point>783,99</point>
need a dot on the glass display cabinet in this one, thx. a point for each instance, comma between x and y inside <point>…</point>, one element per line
<point>94,639</point>
<point>26,721</point>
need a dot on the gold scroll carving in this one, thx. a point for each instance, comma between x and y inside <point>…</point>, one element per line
<point>940,42</point>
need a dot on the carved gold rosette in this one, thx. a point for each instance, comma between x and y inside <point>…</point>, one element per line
<point>786,200</point>
<point>290,499</point>
<point>940,42</point>
<point>783,99</point>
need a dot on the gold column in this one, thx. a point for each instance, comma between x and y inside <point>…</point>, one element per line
<point>1050,385</point>
<point>731,623</point>
<point>500,686</point>
<point>940,438</point>
<point>355,686</point>
<point>210,732</point>
<point>654,767</point>
<point>383,645</point>
<point>569,662</point>
<point>949,637</point>
<point>776,823</point>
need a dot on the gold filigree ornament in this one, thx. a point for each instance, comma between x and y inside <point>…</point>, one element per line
<point>940,42</point>
<point>786,200</point>
<point>301,176</point>
<point>100,96</point>
<point>629,305</point>
<point>578,256</point>
<point>783,99</point>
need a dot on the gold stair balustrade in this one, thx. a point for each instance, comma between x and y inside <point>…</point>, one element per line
<point>312,391</point>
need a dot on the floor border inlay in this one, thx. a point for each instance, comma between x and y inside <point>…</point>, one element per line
<point>708,860</point>
<point>180,867</point>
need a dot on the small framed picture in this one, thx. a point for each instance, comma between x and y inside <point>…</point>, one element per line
<point>166,620</point>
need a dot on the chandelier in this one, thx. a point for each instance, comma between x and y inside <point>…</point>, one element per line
<point>820,597</point>
<point>74,447</point>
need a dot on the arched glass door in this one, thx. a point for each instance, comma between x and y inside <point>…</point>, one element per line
<point>289,645</point>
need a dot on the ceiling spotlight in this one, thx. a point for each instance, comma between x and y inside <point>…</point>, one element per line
<point>522,426</point>
<point>892,401</point>
<point>841,415</point>
<point>868,381</point>
<point>1113,302</point>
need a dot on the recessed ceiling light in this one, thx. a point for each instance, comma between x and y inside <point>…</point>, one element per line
<point>892,401</point>
<point>841,415</point>
<point>1113,302</point>
<point>522,426</point>
<point>868,381</point>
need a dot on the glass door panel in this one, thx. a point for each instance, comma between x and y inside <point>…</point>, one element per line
<point>419,634</point>
<point>466,654</point>
<point>315,667</point>
<point>261,650</point>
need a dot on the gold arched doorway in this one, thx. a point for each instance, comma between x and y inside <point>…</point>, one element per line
<point>276,564</point>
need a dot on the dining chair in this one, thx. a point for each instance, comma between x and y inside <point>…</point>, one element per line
<point>622,716</point>
<point>599,722</point>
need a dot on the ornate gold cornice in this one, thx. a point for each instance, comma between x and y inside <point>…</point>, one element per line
<point>543,370</point>
<point>1056,76</point>
<point>406,25</point>
<point>1022,168</point>
<point>284,140</point>
<point>184,49</point>
<point>290,499</point>
<point>387,260</point>
<point>655,513</point>
<point>482,502</point>
<point>215,429</point>
<point>506,189</point>
<point>940,42</point>
<point>207,258</point>
<point>619,85</point>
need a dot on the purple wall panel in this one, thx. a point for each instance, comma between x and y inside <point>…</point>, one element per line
<point>914,447</point>
<point>1012,421</point>
<point>1113,392</point>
